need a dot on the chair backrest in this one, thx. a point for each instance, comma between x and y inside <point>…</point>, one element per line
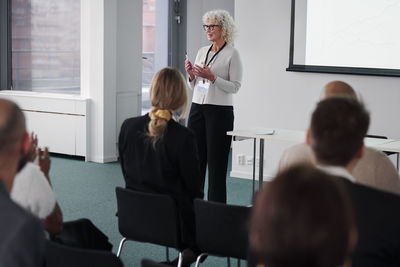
<point>376,136</point>
<point>148,217</point>
<point>221,229</point>
<point>377,221</point>
<point>150,263</point>
<point>58,255</point>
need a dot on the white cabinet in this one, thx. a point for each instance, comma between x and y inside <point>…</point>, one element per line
<point>60,121</point>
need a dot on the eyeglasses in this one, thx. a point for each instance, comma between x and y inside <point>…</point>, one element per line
<point>210,27</point>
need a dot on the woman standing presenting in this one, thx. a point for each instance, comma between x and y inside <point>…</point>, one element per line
<point>214,78</point>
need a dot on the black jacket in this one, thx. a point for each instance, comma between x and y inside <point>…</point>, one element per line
<point>171,167</point>
<point>22,240</point>
<point>377,215</point>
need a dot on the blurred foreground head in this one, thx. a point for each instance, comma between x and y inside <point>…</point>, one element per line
<point>302,218</point>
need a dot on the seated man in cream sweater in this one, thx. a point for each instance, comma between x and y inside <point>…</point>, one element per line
<point>373,169</point>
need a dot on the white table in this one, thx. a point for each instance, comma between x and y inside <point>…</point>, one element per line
<point>392,146</point>
<point>263,134</point>
<point>260,134</point>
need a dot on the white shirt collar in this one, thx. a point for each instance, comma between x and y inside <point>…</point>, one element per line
<point>337,171</point>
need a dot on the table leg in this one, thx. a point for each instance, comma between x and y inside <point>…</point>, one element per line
<point>261,164</point>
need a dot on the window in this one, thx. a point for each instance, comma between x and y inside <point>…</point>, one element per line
<point>155,44</point>
<point>164,40</point>
<point>5,47</point>
<point>45,46</point>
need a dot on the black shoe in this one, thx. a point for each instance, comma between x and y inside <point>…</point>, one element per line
<point>171,263</point>
<point>188,257</point>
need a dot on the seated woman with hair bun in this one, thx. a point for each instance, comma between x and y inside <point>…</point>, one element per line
<point>158,155</point>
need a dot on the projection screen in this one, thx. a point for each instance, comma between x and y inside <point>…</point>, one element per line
<point>346,36</point>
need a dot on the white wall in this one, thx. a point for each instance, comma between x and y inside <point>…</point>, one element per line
<point>111,70</point>
<point>272,97</point>
<point>129,61</point>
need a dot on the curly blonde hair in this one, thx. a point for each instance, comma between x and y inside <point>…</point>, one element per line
<point>225,20</point>
<point>168,93</point>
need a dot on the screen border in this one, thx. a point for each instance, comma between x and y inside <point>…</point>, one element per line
<point>331,69</point>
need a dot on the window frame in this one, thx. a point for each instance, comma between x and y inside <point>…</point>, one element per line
<point>5,45</point>
<point>177,34</point>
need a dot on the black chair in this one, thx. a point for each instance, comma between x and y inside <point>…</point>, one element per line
<point>58,255</point>
<point>388,153</point>
<point>150,263</point>
<point>149,218</point>
<point>221,230</point>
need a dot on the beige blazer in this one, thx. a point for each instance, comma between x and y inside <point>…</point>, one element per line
<point>373,169</point>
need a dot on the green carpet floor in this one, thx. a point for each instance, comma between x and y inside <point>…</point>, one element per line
<point>87,190</point>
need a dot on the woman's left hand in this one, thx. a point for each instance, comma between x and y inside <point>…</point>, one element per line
<point>44,160</point>
<point>203,72</point>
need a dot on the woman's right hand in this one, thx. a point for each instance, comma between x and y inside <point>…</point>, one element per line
<point>189,69</point>
<point>32,149</point>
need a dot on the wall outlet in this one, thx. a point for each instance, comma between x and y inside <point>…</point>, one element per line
<point>249,160</point>
<point>241,159</point>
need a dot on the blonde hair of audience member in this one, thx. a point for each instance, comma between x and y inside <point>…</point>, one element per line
<point>168,94</point>
<point>302,218</point>
<point>224,20</point>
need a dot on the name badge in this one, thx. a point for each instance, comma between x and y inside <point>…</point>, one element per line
<point>202,87</point>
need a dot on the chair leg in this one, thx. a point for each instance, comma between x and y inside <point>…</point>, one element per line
<point>198,260</point>
<point>167,253</point>
<point>238,262</point>
<point>121,243</point>
<point>180,259</point>
<point>229,261</point>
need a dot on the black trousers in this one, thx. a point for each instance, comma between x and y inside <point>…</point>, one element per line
<point>82,233</point>
<point>210,124</point>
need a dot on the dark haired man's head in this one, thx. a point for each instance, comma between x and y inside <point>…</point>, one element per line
<point>302,218</point>
<point>337,130</point>
<point>14,141</point>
